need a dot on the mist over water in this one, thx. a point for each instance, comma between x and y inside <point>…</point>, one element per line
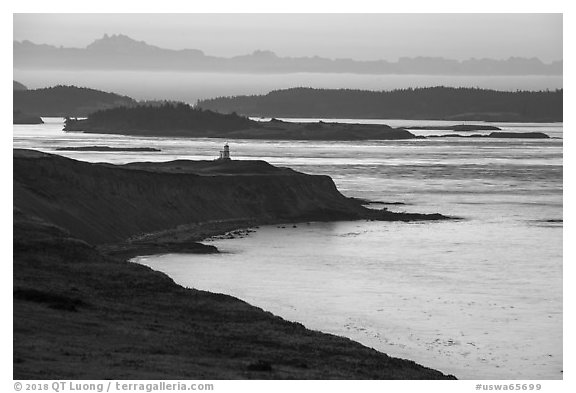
<point>479,297</point>
<point>191,86</point>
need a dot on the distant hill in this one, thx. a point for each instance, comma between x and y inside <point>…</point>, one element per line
<point>19,86</point>
<point>120,52</point>
<point>434,103</point>
<point>67,101</point>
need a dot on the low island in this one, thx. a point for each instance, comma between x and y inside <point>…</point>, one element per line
<point>182,120</point>
<point>498,135</point>
<point>458,127</point>
<point>82,311</point>
<point>108,149</point>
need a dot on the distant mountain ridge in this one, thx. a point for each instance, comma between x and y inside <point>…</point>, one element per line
<point>120,52</point>
<point>434,103</point>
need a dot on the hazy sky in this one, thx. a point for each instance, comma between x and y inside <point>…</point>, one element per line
<point>357,36</point>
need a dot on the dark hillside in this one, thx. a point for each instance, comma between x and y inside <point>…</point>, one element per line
<point>62,101</point>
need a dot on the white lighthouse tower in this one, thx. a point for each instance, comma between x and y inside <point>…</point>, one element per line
<point>225,154</point>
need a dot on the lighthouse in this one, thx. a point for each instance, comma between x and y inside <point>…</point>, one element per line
<point>225,154</point>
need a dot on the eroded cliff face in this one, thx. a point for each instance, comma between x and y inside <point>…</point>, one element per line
<point>104,203</point>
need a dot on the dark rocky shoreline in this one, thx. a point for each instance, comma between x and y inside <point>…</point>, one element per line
<point>81,311</point>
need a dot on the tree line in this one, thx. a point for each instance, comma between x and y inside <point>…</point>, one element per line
<point>444,103</point>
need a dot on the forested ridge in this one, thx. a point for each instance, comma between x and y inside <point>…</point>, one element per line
<point>442,103</point>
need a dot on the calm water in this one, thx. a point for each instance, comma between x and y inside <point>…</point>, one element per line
<point>478,298</point>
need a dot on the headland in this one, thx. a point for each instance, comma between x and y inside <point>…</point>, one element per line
<point>82,311</point>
